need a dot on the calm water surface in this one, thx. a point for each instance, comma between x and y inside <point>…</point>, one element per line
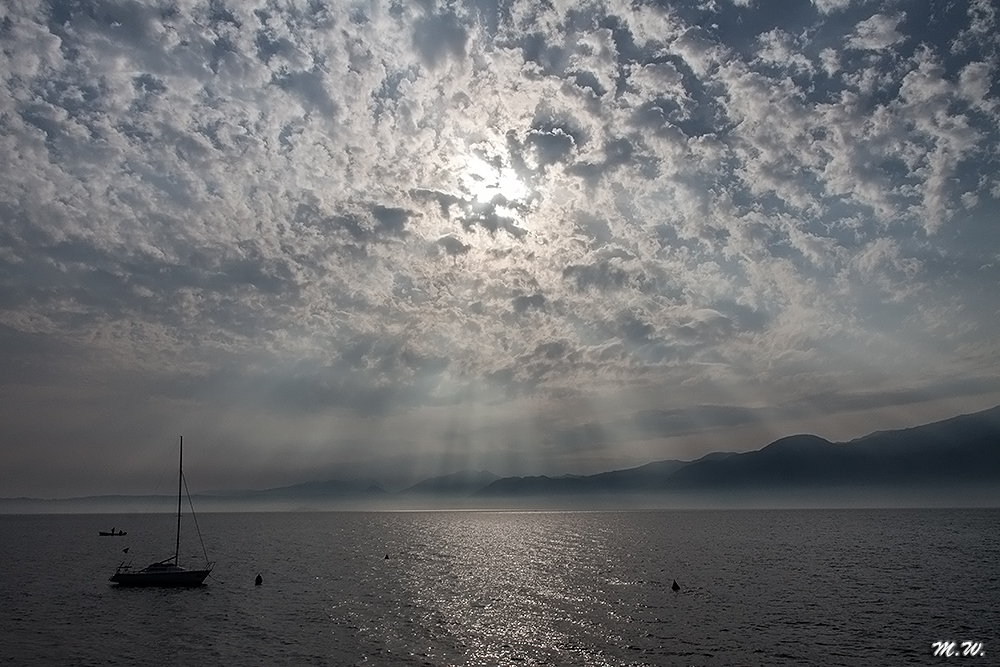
<point>845,587</point>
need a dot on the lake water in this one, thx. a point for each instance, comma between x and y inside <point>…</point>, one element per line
<point>839,587</point>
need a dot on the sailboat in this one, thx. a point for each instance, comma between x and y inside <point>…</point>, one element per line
<point>168,571</point>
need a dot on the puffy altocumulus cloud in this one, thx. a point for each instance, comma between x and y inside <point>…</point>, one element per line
<point>396,213</point>
<point>878,32</point>
<point>828,6</point>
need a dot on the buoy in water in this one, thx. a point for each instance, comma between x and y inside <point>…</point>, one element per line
<point>258,581</point>
<point>674,586</point>
<point>387,556</point>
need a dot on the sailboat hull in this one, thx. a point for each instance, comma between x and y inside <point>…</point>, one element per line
<point>171,579</point>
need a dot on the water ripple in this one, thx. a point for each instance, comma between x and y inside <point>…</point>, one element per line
<point>494,588</point>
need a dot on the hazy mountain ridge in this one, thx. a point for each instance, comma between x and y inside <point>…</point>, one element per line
<point>463,482</point>
<point>960,450</point>
<point>644,478</point>
<point>321,489</point>
<point>963,449</point>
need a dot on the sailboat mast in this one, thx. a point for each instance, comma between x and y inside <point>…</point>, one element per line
<point>180,481</point>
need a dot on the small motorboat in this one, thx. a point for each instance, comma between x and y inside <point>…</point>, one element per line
<point>104,533</point>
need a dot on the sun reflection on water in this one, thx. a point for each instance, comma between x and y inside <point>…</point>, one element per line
<point>509,588</point>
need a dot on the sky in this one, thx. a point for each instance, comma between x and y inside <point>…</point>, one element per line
<point>400,239</point>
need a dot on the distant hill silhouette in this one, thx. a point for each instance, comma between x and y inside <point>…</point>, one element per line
<point>964,449</point>
<point>645,478</point>
<point>331,488</point>
<point>535,486</point>
<point>460,483</point>
<point>960,450</point>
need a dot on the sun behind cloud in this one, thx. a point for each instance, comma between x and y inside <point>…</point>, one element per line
<point>485,182</point>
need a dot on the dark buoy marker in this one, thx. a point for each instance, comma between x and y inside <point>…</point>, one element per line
<point>674,586</point>
<point>258,581</point>
<point>387,557</point>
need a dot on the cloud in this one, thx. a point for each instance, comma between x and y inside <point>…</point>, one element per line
<point>778,48</point>
<point>439,36</point>
<point>526,301</point>
<point>377,212</point>
<point>878,32</point>
<point>830,6</point>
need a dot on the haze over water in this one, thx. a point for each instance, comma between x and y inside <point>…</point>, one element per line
<point>769,587</point>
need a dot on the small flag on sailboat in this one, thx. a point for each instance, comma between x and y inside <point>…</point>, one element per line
<point>125,550</point>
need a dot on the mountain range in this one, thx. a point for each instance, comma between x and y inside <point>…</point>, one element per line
<point>963,450</point>
<point>946,457</point>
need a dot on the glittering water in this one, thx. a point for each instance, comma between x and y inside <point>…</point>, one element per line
<point>853,587</point>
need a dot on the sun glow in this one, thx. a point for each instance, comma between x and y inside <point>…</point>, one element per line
<point>486,182</point>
